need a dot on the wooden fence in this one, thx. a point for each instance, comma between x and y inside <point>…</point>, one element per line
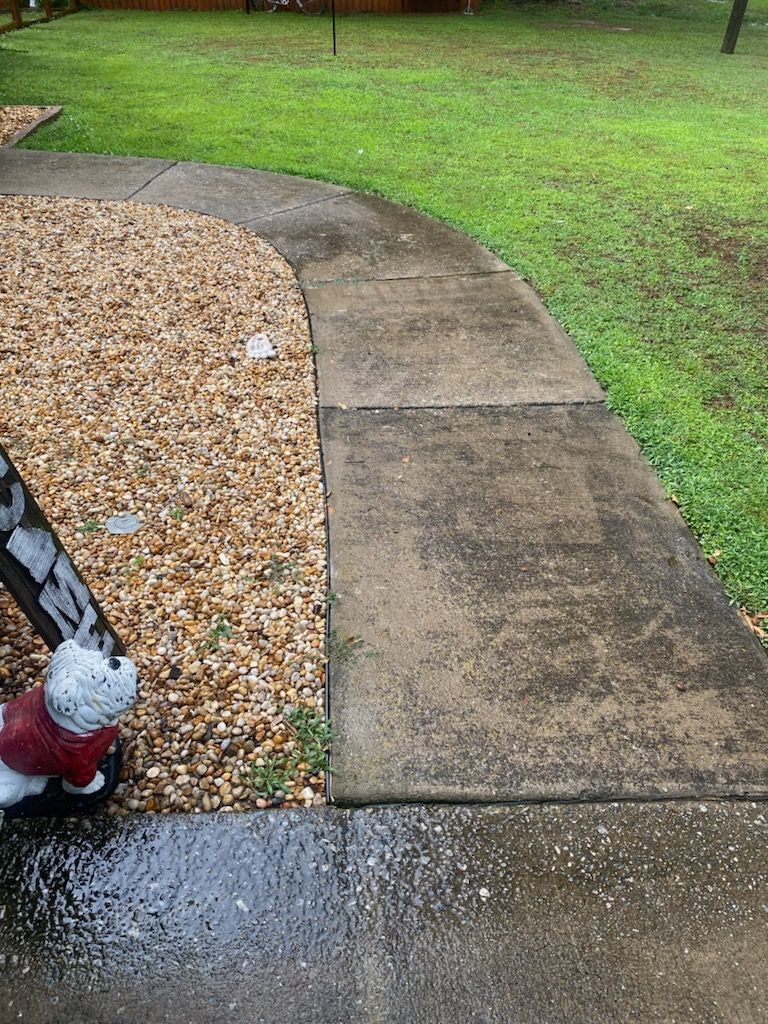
<point>13,8</point>
<point>342,6</point>
<point>169,5</point>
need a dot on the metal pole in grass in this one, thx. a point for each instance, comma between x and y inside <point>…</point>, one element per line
<point>333,22</point>
<point>734,26</point>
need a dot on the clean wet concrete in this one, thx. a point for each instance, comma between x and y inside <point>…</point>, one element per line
<point>585,914</point>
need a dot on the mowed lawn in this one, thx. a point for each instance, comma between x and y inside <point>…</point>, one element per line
<point>624,173</point>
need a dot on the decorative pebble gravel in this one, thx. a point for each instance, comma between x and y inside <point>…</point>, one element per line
<point>128,390</point>
<point>15,119</point>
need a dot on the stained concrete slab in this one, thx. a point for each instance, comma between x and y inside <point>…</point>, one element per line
<point>77,175</point>
<point>536,620</point>
<point>361,237</point>
<point>531,915</point>
<point>487,541</point>
<point>234,193</point>
<point>467,340</point>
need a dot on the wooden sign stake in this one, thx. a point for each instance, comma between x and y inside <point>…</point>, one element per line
<point>41,576</point>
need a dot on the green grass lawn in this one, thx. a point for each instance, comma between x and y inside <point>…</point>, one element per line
<point>623,172</point>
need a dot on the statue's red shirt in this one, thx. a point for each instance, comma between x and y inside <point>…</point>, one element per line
<point>33,744</point>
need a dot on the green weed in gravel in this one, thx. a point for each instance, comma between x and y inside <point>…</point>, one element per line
<point>312,735</point>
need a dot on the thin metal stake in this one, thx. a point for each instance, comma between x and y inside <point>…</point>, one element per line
<point>333,19</point>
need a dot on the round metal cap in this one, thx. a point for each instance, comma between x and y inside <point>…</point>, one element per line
<point>123,524</point>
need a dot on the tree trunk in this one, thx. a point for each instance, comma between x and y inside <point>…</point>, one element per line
<point>734,26</point>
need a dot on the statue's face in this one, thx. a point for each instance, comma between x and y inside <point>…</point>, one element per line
<point>84,691</point>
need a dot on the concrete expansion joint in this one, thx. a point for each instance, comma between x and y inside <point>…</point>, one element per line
<point>581,403</point>
<point>314,284</point>
<point>292,209</point>
<point>588,800</point>
<point>154,177</point>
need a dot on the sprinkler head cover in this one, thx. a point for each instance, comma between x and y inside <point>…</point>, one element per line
<point>123,524</point>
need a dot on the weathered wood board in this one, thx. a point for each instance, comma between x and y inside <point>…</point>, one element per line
<point>41,576</point>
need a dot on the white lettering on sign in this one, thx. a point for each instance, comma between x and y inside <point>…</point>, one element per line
<point>64,597</point>
<point>34,549</point>
<point>93,641</point>
<point>10,515</point>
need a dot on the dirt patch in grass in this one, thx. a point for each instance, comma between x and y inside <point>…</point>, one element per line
<point>721,402</point>
<point>745,254</point>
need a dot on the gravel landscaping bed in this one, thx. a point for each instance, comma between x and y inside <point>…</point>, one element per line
<point>15,119</point>
<point>128,389</point>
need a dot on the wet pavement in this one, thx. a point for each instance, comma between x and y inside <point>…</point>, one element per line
<point>577,913</point>
<point>470,525</point>
<point>535,620</point>
<point>530,617</point>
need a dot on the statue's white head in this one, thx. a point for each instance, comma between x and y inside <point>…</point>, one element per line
<point>85,691</point>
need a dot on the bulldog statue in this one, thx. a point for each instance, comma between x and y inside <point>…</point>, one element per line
<point>65,727</point>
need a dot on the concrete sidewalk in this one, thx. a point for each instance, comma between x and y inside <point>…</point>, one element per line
<point>521,613</point>
<point>522,616</point>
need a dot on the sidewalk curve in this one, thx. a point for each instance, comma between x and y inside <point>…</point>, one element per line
<point>520,614</point>
<point>527,603</point>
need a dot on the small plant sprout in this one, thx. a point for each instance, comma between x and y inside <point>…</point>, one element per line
<point>312,741</point>
<point>90,526</point>
<point>270,777</point>
<point>344,650</point>
<point>331,598</point>
<point>177,512</point>
<point>278,569</point>
<point>220,630</point>
<point>313,737</point>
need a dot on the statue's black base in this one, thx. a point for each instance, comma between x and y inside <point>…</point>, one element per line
<point>54,802</point>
